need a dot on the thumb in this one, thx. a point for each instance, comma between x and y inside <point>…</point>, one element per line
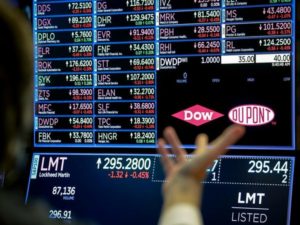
<point>201,162</point>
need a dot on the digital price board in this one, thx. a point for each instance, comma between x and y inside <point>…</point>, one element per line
<point>109,76</point>
<point>95,186</point>
<point>114,74</point>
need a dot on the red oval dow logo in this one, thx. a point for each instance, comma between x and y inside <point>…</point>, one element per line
<point>251,115</point>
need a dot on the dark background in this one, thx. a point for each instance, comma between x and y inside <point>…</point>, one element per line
<point>25,5</point>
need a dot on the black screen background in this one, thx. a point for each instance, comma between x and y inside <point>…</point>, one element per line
<point>295,202</point>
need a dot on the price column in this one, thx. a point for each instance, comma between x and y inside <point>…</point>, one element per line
<point>265,38</point>
<point>63,72</point>
<point>189,33</point>
<point>125,76</point>
<point>190,28</point>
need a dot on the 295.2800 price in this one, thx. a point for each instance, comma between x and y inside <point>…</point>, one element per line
<point>120,163</point>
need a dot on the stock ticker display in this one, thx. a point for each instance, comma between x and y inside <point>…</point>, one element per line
<point>112,74</point>
<point>115,73</point>
<point>94,186</point>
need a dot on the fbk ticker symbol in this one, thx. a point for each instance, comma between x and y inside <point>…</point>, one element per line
<point>197,115</point>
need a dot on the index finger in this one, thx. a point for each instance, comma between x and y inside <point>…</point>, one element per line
<point>172,138</point>
<point>229,137</point>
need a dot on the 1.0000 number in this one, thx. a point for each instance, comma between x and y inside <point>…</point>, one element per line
<point>211,60</point>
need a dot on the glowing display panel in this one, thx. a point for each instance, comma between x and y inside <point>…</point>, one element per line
<point>94,186</point>
<point>115,73</point>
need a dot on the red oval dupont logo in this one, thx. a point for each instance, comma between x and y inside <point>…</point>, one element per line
<point>251,115</point>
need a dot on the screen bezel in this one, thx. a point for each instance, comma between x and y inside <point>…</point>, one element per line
<point>295,220</point>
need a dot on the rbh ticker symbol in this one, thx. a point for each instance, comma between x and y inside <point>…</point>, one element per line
<point>197,115</point>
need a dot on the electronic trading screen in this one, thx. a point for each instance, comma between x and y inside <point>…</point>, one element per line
<point>115,73</point>
<point>122,189</point>
<point>110,75</point>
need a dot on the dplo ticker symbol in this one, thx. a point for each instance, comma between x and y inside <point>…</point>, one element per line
<point>197,115</point>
